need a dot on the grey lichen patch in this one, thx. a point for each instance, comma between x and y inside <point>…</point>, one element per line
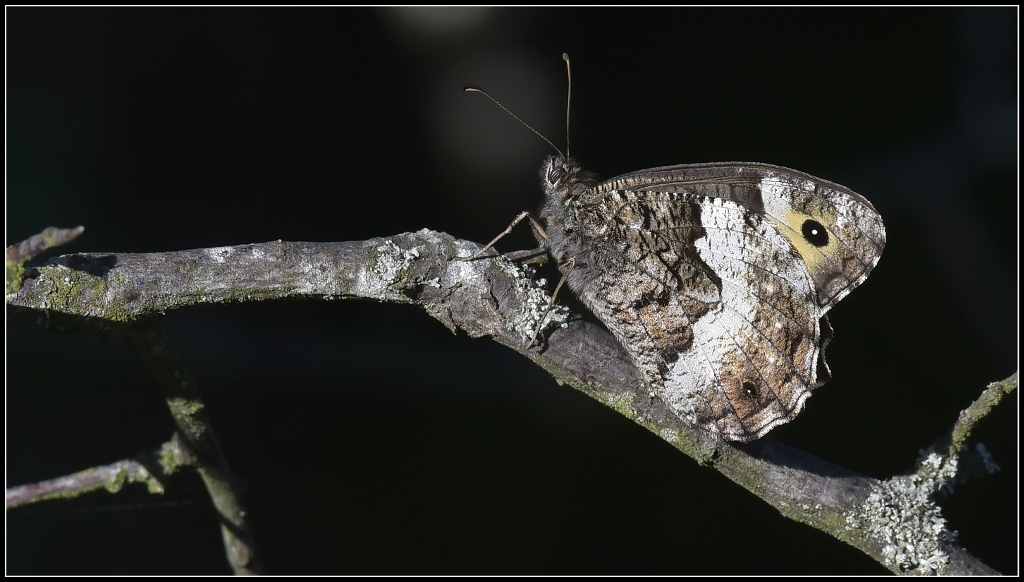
<point>388,270</point>
<point>986,458</point>
<point>533,302</point>
<point>315,276</point>
<point>936,471</point>
<point>219,254</point>
<point>901,511</point>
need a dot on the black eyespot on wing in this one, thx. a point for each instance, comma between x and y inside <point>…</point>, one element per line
<point>814,233</point>
<point>750,389</point>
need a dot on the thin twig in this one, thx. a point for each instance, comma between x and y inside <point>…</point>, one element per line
<point>149,341</point>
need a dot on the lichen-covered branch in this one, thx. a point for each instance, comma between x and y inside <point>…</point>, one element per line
<point>197,436</point>
<point>19,254</point>
<point>896,521</point>
<point>149,469</point>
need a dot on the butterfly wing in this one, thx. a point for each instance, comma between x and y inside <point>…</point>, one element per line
<point>705,275</point>
<point>839,257</point>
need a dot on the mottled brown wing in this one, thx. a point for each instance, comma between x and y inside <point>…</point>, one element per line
<point>713,305</point>
<point>715,278</point>
<point>839,258</point>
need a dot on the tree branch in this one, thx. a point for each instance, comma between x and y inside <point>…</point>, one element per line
<point>150,468</point>
<point>895,521</point>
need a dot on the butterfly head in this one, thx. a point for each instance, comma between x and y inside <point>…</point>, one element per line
<point>564,180</point>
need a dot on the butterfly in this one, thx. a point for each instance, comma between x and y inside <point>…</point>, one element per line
<point>715,278</point>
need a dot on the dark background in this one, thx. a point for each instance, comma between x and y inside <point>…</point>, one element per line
<point>374,441</point>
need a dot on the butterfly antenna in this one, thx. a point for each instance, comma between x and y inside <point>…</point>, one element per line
<point>568,101</point>
<point>475,89</point>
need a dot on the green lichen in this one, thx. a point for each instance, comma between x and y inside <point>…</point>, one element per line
<point>833,520</point>
<point>622,404</point>
<point>49,238</point>
<point>15,274</point>
<point>62,288</point>
<point>184,407</point>
<point>116,481</point>
<point>174,455</point>
<point>73,291</point>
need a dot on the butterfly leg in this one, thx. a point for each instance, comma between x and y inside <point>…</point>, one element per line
<point>566,269</point>
<point>536,256</point>
<point>524,214</point>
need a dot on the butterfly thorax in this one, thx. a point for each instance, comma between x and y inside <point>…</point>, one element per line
<point>570,211</point>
